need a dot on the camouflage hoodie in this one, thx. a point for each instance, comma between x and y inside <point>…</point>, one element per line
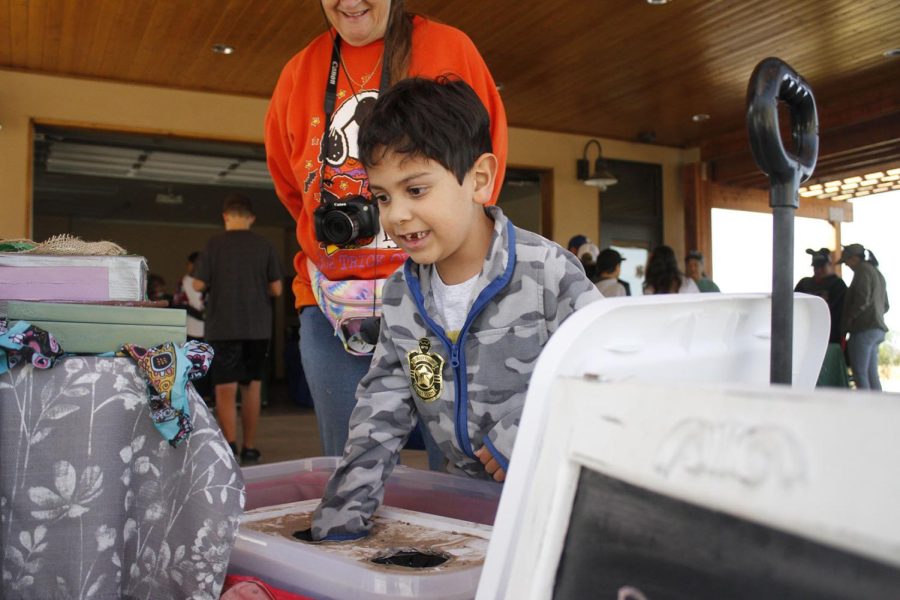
<point>469,393</point>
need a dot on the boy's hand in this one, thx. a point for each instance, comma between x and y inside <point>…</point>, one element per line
<point>490,464</point>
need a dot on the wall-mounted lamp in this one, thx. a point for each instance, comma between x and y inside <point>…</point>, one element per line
<point>601,177</point>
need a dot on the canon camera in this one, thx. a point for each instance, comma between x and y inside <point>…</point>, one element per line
<point>344,221</point>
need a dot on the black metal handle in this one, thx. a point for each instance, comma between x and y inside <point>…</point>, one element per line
<point>772,81</point>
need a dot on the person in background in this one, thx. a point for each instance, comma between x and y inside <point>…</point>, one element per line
<point>156,289</point>
<point>314,160</point>
<point>696,270</point>
<point>471,278</point>
<point>241,272</point>
<point>586,251</point>
<point>588,254</point>
<point>576,242</point>
<point>609,267</point>
<point>825,284</point>
<point>191,301</point>
<point>662,275</point>
<point>865,303</point>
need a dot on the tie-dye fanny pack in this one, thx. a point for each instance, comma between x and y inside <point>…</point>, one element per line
<point>347,305</point>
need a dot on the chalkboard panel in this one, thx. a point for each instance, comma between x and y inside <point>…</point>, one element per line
<point>627,543</point>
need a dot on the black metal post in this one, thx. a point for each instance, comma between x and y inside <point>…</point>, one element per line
<point>772,81</point>
<point>781,358</point>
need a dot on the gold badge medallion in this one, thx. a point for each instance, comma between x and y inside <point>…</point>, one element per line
<point>425,371</point>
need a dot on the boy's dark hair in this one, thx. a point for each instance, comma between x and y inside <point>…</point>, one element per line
<point>192,257</point>
<point>442,120</point>
<point>238,203</point>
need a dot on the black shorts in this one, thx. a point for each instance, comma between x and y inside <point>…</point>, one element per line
<point>240,361</point>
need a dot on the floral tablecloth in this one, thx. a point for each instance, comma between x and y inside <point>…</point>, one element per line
<point>95,503</point>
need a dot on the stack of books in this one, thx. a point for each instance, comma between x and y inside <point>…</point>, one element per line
<point>91,304</point>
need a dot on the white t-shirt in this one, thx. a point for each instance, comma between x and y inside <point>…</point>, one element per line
<point>452,302</point>
<point>610,288</point>
<point>195,300</point>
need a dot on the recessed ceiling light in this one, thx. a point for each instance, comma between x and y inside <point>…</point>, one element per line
<point>223,49</point>
<point>700,117</point>
<point>892,53</point>
<point>657,2</point>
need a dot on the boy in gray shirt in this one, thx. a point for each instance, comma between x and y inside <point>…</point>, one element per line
<point>465,318</point>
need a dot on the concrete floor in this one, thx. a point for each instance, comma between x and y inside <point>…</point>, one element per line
<point>288,432</point>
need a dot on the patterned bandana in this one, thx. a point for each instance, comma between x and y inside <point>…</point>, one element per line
<point>167,370</point>
<point>25,343</point>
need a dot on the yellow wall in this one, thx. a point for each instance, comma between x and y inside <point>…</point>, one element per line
<point>575,208</point>
<point>28,97</point>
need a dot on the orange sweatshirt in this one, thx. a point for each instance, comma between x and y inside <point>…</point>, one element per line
<point>295,126</point>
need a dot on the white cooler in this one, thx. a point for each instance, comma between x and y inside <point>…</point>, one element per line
<point>654,462</point>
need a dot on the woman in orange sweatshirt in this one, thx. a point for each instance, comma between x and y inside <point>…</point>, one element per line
<point>321,96</point>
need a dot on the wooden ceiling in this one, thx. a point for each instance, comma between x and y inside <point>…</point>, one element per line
<point>617,68</point>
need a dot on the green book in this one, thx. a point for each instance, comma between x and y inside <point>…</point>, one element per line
<point>23,310</point>
<point>96,338</point>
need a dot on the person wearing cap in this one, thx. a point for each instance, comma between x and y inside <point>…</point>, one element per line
<point>609,267</point>
<point>586,251</point>
<point>587,254</point>
<point>865,303</point>
<point>576,242</point>
<point>695,269</point>
<point>825,284</point>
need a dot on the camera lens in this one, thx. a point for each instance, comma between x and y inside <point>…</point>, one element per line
<point>339,227</point>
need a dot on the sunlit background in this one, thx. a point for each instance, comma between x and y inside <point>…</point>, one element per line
<point>742,246</point>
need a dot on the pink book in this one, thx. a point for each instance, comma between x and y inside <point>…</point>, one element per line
<point>26,276</point>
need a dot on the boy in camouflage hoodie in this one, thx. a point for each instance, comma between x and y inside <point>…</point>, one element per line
<point>465,318</point>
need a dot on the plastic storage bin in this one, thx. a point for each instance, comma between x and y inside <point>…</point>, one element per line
<point>347,570</point>
<point>412,489</point>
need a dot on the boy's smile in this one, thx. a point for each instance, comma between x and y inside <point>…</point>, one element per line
<point>431,216</point>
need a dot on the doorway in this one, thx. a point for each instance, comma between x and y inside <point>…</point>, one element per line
<point>631,216</point>
<point>526,198</point>
<point>159,197</point>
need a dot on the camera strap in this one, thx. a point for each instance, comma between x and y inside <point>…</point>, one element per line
<point>331,91</point>
<point>353,307</point>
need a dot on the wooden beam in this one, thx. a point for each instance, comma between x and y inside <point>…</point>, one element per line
<point>697,213</point>
<point>848,149</point>
<point>757,200</point>
<point>857,129</point>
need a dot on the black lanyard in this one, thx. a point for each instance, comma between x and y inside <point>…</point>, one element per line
<point>331,88</point>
